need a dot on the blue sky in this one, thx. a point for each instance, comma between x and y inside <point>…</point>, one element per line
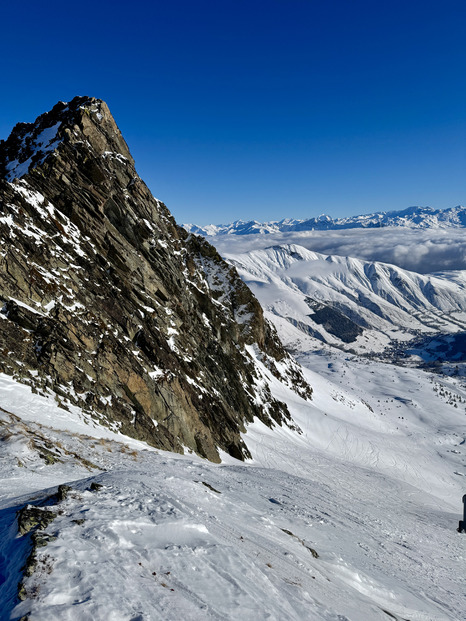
<point>259,110</point>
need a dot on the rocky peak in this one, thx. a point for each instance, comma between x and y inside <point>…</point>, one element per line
<point>82,119</point>
<point>110,306</point>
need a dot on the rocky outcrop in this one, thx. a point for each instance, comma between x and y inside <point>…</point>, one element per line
<point>111,306</point>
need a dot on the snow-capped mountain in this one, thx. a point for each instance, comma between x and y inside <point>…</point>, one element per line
<point>357,305</point>
<point>133,357</point>
<point>413,217</point>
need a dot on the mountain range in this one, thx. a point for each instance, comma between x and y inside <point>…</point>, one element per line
<point>364,307</point>
<point>412,217</point>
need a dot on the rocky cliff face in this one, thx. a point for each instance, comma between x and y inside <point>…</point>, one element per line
<point>109,305</point>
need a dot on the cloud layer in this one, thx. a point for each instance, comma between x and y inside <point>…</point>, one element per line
<point>424,251</point>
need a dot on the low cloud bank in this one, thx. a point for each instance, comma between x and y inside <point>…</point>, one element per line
<point>420,250</point>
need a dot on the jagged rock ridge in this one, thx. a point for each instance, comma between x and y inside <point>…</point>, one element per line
<point>111,306</point>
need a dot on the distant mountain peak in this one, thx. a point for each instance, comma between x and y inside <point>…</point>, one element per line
<point>356,305</point>
<point>412,217</point>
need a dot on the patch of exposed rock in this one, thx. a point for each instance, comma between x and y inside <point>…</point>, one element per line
<point>110,305</point>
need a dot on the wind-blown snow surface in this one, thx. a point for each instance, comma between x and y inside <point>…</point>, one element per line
<point>353,519</point>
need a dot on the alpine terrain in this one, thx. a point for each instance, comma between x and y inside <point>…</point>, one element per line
<point>364,307</point>
<point>413,217</point>
<point>171,450</point>
<point>113,307</point>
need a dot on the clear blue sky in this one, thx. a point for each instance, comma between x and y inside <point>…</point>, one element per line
<point>255,109</point>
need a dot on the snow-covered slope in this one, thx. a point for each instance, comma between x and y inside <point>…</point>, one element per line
<point>354,518</point>
<point>413,217</point>
<point>346,512</point>
<point>358,305</point>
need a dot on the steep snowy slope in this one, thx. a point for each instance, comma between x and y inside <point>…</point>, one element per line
<point>357,305</point>
<point>353,519</point>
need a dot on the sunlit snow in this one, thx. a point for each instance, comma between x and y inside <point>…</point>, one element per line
<point>355,518</point>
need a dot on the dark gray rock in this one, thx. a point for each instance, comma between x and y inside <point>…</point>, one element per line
<point>110,305</point>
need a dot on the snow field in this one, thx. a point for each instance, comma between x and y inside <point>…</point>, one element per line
<point>378,505</point>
